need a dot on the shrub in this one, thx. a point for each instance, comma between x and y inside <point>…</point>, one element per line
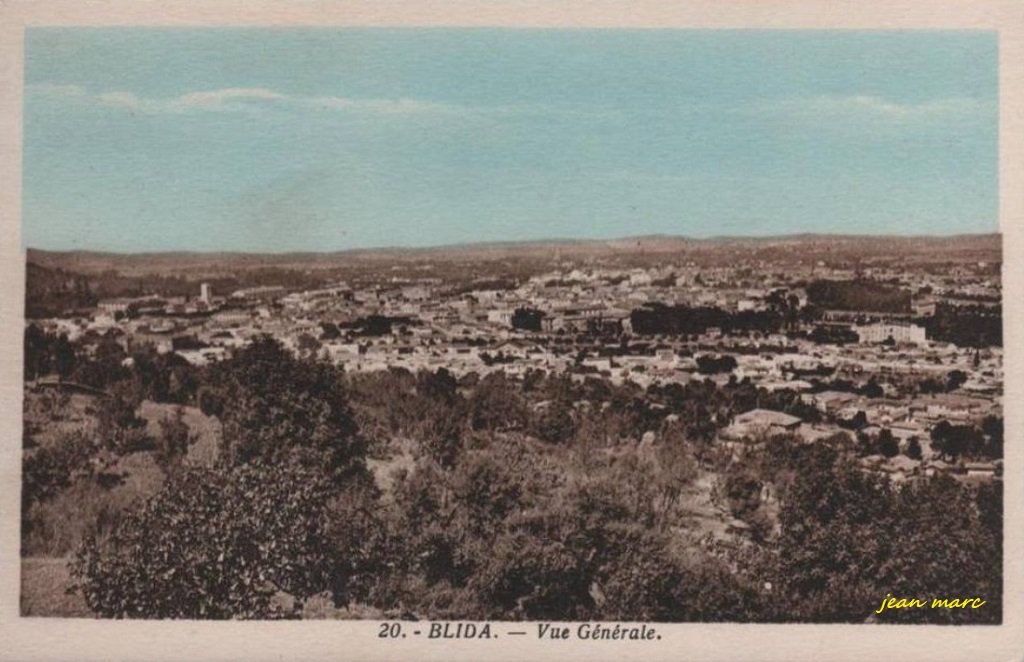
<point>279,409</point>
<point>213,544</point>
<point>120,427</point>
<point>48,469</point>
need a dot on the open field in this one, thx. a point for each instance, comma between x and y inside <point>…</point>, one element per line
<point>44,589</point>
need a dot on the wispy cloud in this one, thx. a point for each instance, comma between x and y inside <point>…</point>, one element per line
<point>221,99</point>
<point>810,110</point>
<point>55,90</point>
<point>247,99</point>
<point>863,106</point>
<point>238,99</point>
<point>386,106</point>
<point>255,99</point>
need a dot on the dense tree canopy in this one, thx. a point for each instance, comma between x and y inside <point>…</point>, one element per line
<point>535,498</point>
<point>214,544</point>
<point>847,538</point>
<point>275,408</point>
<point>859,295</point>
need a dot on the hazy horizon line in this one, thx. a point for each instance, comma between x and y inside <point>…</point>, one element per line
<point>508,243</point>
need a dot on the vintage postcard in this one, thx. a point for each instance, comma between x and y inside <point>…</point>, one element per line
<point>511,331</point>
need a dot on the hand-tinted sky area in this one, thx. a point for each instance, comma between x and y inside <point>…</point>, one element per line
<point>326,139</point>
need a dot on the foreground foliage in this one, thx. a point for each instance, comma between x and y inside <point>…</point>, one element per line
<point>213,544</point>
<point>519,501</point>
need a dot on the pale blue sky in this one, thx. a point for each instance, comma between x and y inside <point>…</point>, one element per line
<point>327,139</point>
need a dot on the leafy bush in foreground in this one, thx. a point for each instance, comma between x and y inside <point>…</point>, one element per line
<point>213,544</point>
<point>275,408</point>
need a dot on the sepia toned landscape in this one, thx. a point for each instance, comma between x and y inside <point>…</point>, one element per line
<point>782,429</point>
<point>611,326</point>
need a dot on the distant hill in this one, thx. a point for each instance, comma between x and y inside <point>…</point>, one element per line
<point>51,291</point>
<point>796,247</point>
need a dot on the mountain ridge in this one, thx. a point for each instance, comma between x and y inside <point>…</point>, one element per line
<point>668,242</point>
